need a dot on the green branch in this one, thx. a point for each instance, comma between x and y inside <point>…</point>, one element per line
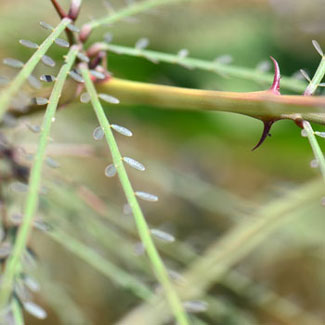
<point>317,79</point>
<point>315,147</point>
<point>217,67</point>
<point>141,223</point>
<point>310,90</point>
<point>129,11</point>
<point>10,91</point>
<point>17,313</point>
<point>260,104</point>
<point>14,260</point>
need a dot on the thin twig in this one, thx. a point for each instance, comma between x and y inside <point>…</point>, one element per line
<point>141,223</point>
<point>14,260</point>
<point>8,93</point>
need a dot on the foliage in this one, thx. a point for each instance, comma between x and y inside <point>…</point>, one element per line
<point>93,230</point>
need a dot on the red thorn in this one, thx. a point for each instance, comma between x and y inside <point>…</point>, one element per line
<point>275,88</point>
<point>266,131</point>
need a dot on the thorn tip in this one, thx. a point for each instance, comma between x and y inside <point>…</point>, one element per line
<point>266,131</point>
<point>275,88</point>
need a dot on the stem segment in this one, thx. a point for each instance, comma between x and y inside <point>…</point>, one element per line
<point>12,266</point>
<point>7,93</point>
<point>141,223</point>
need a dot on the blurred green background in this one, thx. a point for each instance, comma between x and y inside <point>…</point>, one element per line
<point>226,180</point>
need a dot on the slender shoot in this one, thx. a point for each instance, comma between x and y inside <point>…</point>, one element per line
<point>141,223</point>
<point>213,66</point>
<point>7,93</point>
<point>13,264</point>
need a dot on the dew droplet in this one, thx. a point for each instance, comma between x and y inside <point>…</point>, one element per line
<point>122,130</point>
<point>3,81</point>
<point>85,98</point>
<point>183,53</point>
<point>83,57</point>
<point>52,163</point>
<point>304,133</point>
<point>5,249</point>
<point>314,163</point>
<point>48,61</point>
<point>264,66</point>
<point>305,74</point>
<point>139,249</point>
<point>34,82</point>
<point>73,28</point>
<point>76,76</point>
<point>46,25</point>
<point>224,59</point>
<point>146,196</point>
<point>21,102</point>
<point>98,133</point>
<point>142,43</point>
<point>162,235</point>
<point>176,276</point>
<point>41,225</point>
<point>320,134</point>
<point>19,187</point>
<point>47,78</point>
<point>41,101</point>
<point>318,48</point>
<point>97,74</point>
<point>110,170</point>
<point>127,210</point>
<point>133,163</point>
<point>108,37</point>
<point>31,283</point>
<point>195,306</point>
<point>35,310</point>
<point>9,120</point>
<point>108,98</point>
<point>322,84</point>
<point>13,63</point>
<point>33,128</point>
<point>28,44</point>
<point>61,42</point>
<point>297,75</point>
<point>322,201</point>
<point>16,219</point>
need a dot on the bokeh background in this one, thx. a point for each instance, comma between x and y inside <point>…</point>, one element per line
<point>200,164</point>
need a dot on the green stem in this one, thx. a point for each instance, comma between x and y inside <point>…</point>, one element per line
<point>260,104</point>
<point>141,223</point>
<point>315,147</point>
<point>7,93</point>
<point>317,79</point>
<point>223,69</point>
<point>310,90</point>
<point>17,313</point>
<point>34,183</point>
<point>128,11</point>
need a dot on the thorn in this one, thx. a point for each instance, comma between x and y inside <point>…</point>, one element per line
<point>275,88</point>
<point>266,131</point>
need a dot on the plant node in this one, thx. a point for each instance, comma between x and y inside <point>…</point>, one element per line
<point>275,89</point>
